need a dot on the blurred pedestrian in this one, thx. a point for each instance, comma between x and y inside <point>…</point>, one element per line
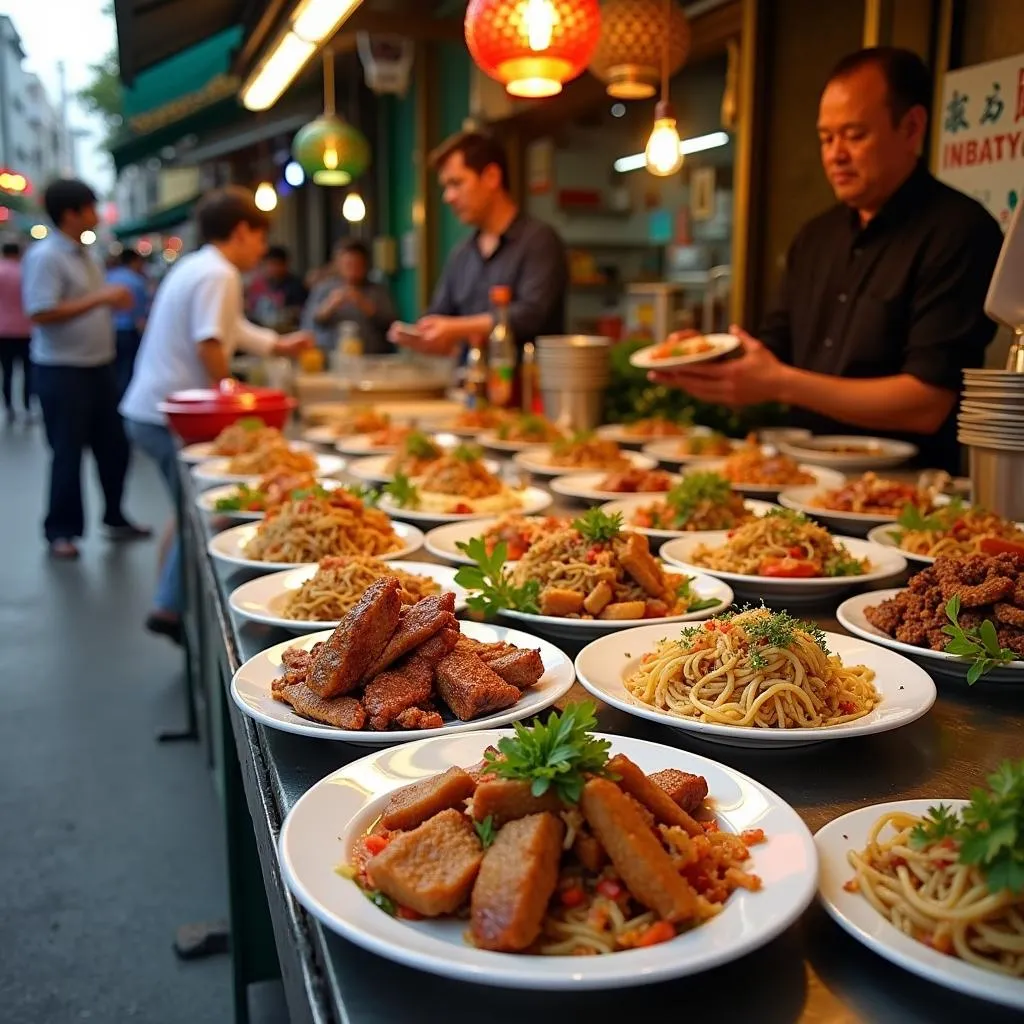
<point>129,323</point>
<point>15,331</point>
<point>72,350</point>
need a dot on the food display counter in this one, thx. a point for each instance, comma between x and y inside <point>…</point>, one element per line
<point>813,972</point>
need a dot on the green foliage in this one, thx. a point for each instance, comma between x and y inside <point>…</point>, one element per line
<point>981,644</point>
<point>693,490</point>
<point>403,492</point>
<point>494,588</point>
<point>598,527</point>
<point>485,830</point>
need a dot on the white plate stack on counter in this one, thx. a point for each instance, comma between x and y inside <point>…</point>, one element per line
<point>992,411</point>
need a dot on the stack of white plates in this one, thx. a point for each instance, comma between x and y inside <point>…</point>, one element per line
<point>992,411</point>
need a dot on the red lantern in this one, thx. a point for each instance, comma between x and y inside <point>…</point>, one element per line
<point>533,46</point>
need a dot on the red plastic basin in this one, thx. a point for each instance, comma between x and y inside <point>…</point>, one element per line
<point>201,414</point>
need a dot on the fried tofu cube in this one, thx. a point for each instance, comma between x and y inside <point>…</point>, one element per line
<point>412,805</point>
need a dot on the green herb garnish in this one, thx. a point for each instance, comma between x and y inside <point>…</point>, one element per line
<point>842,563</point>
<point>693,490</point>
<point>496,591</point>
<point>486,831</point>
<point>598,527</point>
<point>243,497</point>
<point>467,453</point>
<point>559,753</point>
<point>378,899</point>
<point>419,446</point>
<point>779,629</point>
<point>693,603</point>
<point>989,832</point>
<point>366,494</point>
<point>403,492</point>
<point>980,643</point>
<point>251,423</point>
<point>912,518</point>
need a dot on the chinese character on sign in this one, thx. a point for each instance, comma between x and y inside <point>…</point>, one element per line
<point>956,112</point>
<point>993,106</point>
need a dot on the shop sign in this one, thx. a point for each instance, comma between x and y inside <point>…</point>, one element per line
<point>981,134</point>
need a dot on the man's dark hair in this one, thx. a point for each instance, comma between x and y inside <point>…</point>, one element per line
<point>277,252</point>
<point>478,151</point>
<point>352,245</point>
<point>221,211</point>
<point>908,81</point>
<point>66,195</point>
<point>130,256</point>
<point>10,249</point>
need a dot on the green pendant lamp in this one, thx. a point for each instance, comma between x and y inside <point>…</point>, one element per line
<point>330,150</point>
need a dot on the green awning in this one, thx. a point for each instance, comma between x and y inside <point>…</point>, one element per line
<point>189,93</point>
<point>18,203</point>
<point>158,220</point>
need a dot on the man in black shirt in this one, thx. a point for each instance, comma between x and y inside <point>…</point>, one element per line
<point>509,247</point>
<point>881,308</point>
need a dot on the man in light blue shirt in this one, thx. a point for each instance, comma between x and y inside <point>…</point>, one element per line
<point>129,323</point>
<point>72,351</point>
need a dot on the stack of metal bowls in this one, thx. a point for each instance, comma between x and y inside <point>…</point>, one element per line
<point>991,424</point>
<point>574,371</point>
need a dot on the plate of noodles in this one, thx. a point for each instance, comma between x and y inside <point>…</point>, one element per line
<point>243,436</point>
<point>759,678</point>
<point>603,486</point>
<point>895,877</point>
<point>381,469</point>
<point>697,446</point>
<point>276,460</point>
<point>518,532</point>
<point>561,924</point>
<point>684,350</point>
<point>465,677</point>
<point>347,420</point>
<point>252,500</point>
<point>640,431</point>
<point>319,595</point>
<point>387,440</point>
<point>858,504</point>
<point>588,578</point>
<point>953,529</point>
<point>850,452</point>
<point>582,452</point>
<point>305,531</point>
<point>520,432</point>
<point>783,554</point>
<point>699,502</point>
<point>762,471</point>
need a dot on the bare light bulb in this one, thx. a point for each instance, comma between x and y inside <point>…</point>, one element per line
<point>663,155</point>
<point>353,209</point>
<point>265,197</point>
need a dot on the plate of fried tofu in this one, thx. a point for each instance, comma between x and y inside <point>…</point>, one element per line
<point>419,854</point>
<point>389,672</point>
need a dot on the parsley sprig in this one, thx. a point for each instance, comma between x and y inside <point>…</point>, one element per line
<point>403,492</point>
<point>693,490</point>
<point>989,832</point>
<point>419,446</point>
<point>367,495</point>
<point>485,830</point>
<point>694,603</point>
<point>980,643</point>
<point>495,590</point>
<point>558,754</point>
<point>912,518</point>
<point>467,453</point>
<point>598,527</point>
<point>251,423</point>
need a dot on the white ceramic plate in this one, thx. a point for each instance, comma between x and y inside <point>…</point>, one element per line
<point>362,444</point>
<point>585,486</point>
<point>907,691</point>
<point>215,471</point>
<point>825,479</point>
<point>533,500</point>
<point>883,535</point>
<point>262,599</point>
<point>322,827</point>
<point>207,500</point>
<point>490,439</point>
<point>374,468</point>
<point>201,451</point>
<point>885,452</point>
<point>442,540</point>
<point>855,914</point>
<point>799,498</point>
<point>538,460</point>
<point>666,450</point>
<point>250,689</point>
<point>644,358</point>
<point>581,630</point>
<point>228,546</point>
<point>851,616</point>
<point>627,506</point>
<point>324,434</point>
<point>618,433</point>
<point>885,563</point>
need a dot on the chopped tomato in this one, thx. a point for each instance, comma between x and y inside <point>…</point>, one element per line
<point>796,551</point>
<point>460,509</point>
<point>572,896</point>
<point>660,931</point>
<point>515,551</point>
<point>788,568</point>
<point>940,943</point>
<point>408,914</point>
<point>610,887</point>
<point>999,546</point>
<point>752,836</point>
<point>851,886</point>
<point>847,707</point>
<point>375,844</point>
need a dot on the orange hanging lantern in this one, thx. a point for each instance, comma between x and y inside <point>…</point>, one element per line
<point>533,46</point>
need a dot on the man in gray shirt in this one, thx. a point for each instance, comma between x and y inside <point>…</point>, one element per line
<point>509,247</point>
<point>72,350</point>
<point>348,295</point>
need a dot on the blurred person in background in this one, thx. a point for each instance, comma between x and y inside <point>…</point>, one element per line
<point>15,332</point>
<point>348,294</point>
<point>275,295</point>
<point>129,323</point>
<point>196,323</point>
<point>72,350</point>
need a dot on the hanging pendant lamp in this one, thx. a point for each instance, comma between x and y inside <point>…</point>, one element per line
<point>532,47</point>
<point>664,154</point>
<point>331,151</point>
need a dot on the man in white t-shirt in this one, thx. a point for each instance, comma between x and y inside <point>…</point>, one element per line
<point>195,325</point>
